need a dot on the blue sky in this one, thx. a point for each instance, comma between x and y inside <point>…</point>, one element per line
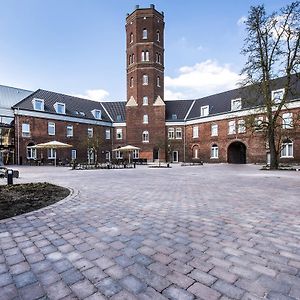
<point>78,47</point>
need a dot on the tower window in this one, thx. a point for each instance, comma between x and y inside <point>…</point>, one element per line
<point>158,81</point>
<point>132,58</point>
<point>131,82</point>
<point>131,37</point>
<point>145,34</point>
<point>145,55</point>
<point>145,79</point>
<point>157,36</point>
<point>145,137</point>
<point>145,119</point>
<point>158,58</point>
<point>145,100</point>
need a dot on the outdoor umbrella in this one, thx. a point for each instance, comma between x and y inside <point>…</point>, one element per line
<point>52,145</point>
<point>127,148</point>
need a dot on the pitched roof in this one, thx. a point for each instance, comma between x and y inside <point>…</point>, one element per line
<point>176,110</point>
<point>75,107</point>
<point>116,110</point>
<point>9,96</point>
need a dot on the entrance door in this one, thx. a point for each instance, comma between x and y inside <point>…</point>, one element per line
<point>155,153</point>
<point>236,153</point>
<point>175,156</point>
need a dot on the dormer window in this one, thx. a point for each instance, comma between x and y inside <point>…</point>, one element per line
<point>38,104</point>
<point>145,34</point>
<point>236,104</point>
<point>277,96</point>
<point>60,108</point>
<point>204,111</point>
<point>174,117</point>
<point>82,113</point>
<point>119,118</point>
<point>96,113</point>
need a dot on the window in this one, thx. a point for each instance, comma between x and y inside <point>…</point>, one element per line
<point>107,155</point>
<point>60,108</point>
<point>196,152</point>
<point>119,133</point>
<point>132,58</point>
<point>287,148</point>
<point>107,134</point>
<point>145,79</point>
<point>96,113</point>
<point>171,133</point>
<point>214,129</point>
<point>145,119</point>
<point>158,81</point>
<point>236,104</point>
<point>195,132</point>
<point>38,104</point>
<point>69,131</point>
<point>231,127</point>
<point>119,155</point>
<point>129,60</point>
<point>25,130</point>
<point>73,154</point>
<point>51,128</point>
<point>214,151</point>
<point>204,111</point>
<point>131,37</point>
<point>178,133</point>
<point>287,120</point>
<point>131,82</point>
<point>51,153</point>
<point>277,96</point>
<point>31,152</point>
<point>135,154</point>
<point>241,126</point>
<point>158,58</point>
<point>174,117</point>
<point>145,56</point>
<point>145,100</point>
<point>145,137</point>
<point>157,36</point>
<point>145,34</point>
<point>90,132</point>
<point>258,123</point>
<point>119,118</point>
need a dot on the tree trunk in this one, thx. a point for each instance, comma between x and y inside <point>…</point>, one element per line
<point>273,150</point>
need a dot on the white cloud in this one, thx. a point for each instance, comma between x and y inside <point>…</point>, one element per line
<point>241,21</point>
<point>96,95</point>
<point>202,79</point>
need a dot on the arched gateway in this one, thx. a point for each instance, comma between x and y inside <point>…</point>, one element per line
<point>236,153</point>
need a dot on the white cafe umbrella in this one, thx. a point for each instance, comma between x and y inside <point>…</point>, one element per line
<point>127,148</point>
<point>52,145</point>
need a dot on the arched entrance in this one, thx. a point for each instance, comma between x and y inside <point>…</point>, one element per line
<point>236,153</point>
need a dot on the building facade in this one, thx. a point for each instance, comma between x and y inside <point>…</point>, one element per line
<point>210,129</point>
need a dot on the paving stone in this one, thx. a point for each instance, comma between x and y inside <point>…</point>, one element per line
<point>277,296</point>
<point>202,277</point>
<point>94,274</point>
<point>133,284</point>
<point>108,287</point>
<point>96,296</point>
<point>104,262</point>
<point>24,279</point>
<point>124,261</point>
<point>175,293</point>
<point>49,277</point>
<point>71,276</point>
<point>228,289</point>
<point>9,292</point>
<point>57,290</point>
<point>180,279</point>
<point>124,295</point>
<point>203,292</point>
<point>19,268</point>
<point>223,274</point>
<point>116,272</point>
<point>32,292</point>
<point>83,289</point>
<point>180,267</point>
<point>159,268</point>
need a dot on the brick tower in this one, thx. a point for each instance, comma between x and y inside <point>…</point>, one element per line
<point>145,107</point>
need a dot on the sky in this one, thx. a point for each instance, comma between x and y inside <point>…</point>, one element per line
<point>77,47</point>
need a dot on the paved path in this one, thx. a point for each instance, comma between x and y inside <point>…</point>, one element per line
<point>210,232</point>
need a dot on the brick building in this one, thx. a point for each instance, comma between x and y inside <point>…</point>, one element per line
<point>210,129</point>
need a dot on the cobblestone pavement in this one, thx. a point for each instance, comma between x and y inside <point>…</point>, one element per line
<point>202,232</point>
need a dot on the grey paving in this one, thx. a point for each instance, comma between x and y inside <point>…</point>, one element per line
<point>202,232</point>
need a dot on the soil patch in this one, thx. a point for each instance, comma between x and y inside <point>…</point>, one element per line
<point>21,198</point>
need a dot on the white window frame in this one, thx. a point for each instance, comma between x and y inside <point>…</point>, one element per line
<point>171,133</point>
<point>147,55</point>
<point>107,134</point>
<point>195,152</point>
<point>32,152</point>
<point>232,127</point>
<point>119,154</point>
<point>157,36</point>
<point>195,132</point>
<point>57,105</point>
<point>178,134</point>
<point>51,153</point>
<point>51,128</point>
<point>214,152</point>
<point>287,149</point>
<point>158,81</point>
<point>258,122</point>
<point>145,136</point>
<point>275,93</point>
<point>35,101</point>
<point>135,154</point>
<point>145,100</point>
<point>236,104</point>
<point>25,130</point>
<point>214,129</point>
<point>287,120</point>
<point>145,119</point>
<point>70,131</point>
<point>90,132</point>
<point>97,114</point>
<point>145,79</point>
<point>204,110</point>
<point>73,154</point>
<point>145,34</point>
<point>241,126</point>
<point>119,134</point>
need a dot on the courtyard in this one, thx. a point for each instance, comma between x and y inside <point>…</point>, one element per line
<point>200,232</point>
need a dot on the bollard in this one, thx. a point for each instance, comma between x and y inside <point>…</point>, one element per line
<point>10,173</point>
<point>134,165</point>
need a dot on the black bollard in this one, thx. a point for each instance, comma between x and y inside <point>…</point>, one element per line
<point>10,174</point>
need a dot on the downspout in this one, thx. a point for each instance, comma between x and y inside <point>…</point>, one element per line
<point>184,143</point>
<point>18,132</point>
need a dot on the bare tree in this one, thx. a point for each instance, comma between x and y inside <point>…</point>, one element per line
<point>272,47</point>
